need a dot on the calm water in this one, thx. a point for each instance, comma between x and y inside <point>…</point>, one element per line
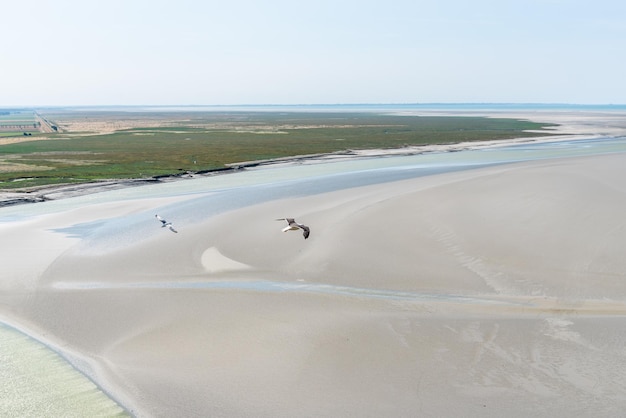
<point>36,381</point>
<point>267,286</point>
<point>372,107</point>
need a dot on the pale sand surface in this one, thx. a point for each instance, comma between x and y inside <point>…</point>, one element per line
<point>569,121</point>
<point>510,299</point>
<point>490,292</point>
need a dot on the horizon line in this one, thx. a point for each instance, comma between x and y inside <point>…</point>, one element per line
<point>362,104</point>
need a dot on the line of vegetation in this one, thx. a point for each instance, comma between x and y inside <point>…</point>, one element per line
<point>201,141</point>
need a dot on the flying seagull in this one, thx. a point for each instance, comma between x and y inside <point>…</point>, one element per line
<point>293,225</point>
<point>165,223</point>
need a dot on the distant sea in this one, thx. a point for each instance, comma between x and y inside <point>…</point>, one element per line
<point>367,107</point>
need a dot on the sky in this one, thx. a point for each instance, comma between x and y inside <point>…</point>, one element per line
<point>218,52</point>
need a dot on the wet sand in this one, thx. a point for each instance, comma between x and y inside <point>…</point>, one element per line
<point>489,292</point>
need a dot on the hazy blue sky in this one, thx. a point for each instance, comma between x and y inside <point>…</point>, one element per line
<point>77,52</point>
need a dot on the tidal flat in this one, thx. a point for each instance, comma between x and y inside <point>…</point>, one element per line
<point>482,282</point>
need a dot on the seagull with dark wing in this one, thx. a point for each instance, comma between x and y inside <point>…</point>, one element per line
<point>292,225</point>
<point>165,223</point>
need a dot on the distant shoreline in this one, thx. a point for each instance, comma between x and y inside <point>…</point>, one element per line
<point>56,192</point>
<point>573,122</point>
<point>479,106</point>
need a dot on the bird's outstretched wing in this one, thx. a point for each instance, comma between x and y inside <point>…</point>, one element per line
<point>292,225</point>
<point>165,223</point>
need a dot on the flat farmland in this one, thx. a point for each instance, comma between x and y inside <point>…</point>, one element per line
<point>97,145</point>
<point>18,122</point>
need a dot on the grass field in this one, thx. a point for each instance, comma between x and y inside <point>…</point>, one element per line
<point>14,123</point>
<point>120,145</point>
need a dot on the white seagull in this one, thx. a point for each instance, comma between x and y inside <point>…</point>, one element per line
<point>292,225</point>
<point>165,223</point>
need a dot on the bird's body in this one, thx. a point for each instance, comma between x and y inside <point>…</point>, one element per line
<point>292,225</point>
<point>166,224</point>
